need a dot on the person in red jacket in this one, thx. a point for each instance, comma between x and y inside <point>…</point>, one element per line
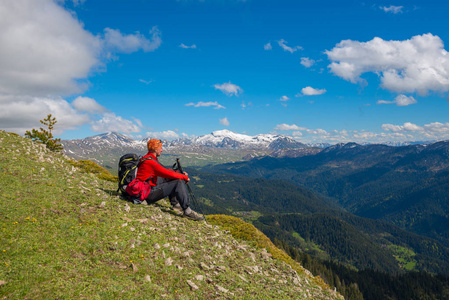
<point>165,182</point>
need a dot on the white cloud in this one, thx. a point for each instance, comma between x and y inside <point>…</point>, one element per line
<point>412,127</point>
<point>44,50</point>
<point>112,122</point>
<point>267,46</point>
<point>164,135</point>
<point>87,104</point>
<point>420,64</point>
<point>384,102</point>
<point>183,46</point>
<point>437,127</point>
<point>432,131</point>
<point>206,104</point>
<point>284,98</point>
<point>114,40</point>
<point>318,131</point>
<point>45,53</point>
<point>245,105</point>
<point>391,127</point>
<point>286,127</point>
<point>78,2</point>
<point>400,100</point>
<point>229,89</point>
<point>340,136</point>
<point>401,128</point>
<point>406,132</point>
<point>393,9</point>
<point>310,91</point>
<point>146,81</point>
<point>282,44</point>
<point>224,121</point>
<point>307,62</point>
<point>138,122</point>
<point>21,113</point>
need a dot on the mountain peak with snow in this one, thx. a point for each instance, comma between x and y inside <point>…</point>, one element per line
<point>230,139</point>
<point>221,139</point>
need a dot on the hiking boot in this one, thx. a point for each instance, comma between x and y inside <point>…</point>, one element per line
<point>177,209</point>
<point>193,215</point>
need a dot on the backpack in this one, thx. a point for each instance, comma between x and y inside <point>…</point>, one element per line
<point>127,170</point>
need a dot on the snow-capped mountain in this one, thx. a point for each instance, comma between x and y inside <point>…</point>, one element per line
<point>110,140</point>
<point>108,146</point>
<point>400,144</point>
<point>103,148</point>
<point>224,139</point>
<point>229,139</point>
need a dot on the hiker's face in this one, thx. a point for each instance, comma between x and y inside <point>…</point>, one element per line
<point>158,151</point>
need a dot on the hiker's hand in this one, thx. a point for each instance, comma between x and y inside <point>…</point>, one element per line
<point>188,179</point>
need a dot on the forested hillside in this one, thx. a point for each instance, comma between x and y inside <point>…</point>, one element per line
<point>406,186</point>
<point>302,218</point>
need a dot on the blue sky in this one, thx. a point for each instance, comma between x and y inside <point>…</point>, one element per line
<point>318,71</point>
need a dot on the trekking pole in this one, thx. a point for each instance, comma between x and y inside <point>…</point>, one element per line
<point>192,196</point>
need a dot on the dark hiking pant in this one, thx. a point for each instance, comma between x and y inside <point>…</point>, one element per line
<point>174,189</point>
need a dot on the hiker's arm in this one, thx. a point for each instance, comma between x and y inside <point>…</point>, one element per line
<point>166,173</point>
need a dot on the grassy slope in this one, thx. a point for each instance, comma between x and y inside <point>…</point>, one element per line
<point>65,234</point>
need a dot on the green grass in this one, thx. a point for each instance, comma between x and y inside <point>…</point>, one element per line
<point>206,201</point>
<point>248,216</point>
<point>93,168</point>
<point>404,256</point>
<point>64,233</point>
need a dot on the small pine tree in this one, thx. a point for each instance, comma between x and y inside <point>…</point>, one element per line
<point>45,136</point>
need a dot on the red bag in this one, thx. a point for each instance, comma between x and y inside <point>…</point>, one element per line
<point>140,189</point>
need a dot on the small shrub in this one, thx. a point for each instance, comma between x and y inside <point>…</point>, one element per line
<point>45,136</point>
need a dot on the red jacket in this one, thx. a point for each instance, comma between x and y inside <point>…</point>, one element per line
<point>151,168</point>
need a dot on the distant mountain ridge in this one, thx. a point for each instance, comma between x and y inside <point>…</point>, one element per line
<point>104,148</point>
<point>219,139</point>
<point>217,147</point>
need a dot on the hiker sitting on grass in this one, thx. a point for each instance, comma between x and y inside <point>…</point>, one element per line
<point>165,182</point>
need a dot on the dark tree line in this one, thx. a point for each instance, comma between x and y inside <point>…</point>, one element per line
<point>369,284</point>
